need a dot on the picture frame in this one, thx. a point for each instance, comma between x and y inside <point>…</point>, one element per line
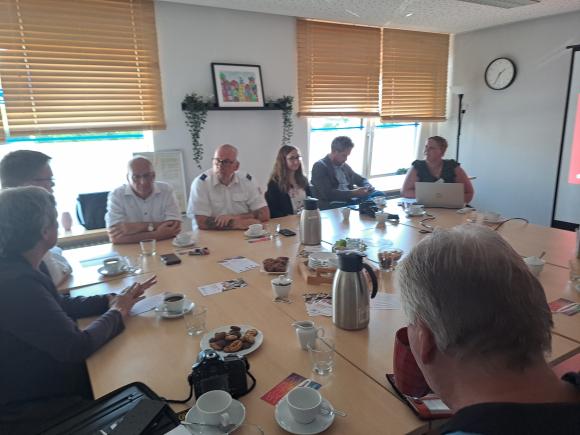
<point>237,85</point>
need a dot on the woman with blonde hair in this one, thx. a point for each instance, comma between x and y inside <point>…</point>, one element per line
<point>287,187</point>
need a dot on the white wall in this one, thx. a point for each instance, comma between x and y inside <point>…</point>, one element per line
<point>191,38</point>
<point>511,139</point>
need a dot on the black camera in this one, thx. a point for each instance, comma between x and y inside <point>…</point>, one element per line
<point>368,207</point>
<point>214,372</point>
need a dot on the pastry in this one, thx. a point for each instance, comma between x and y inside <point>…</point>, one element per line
<point>234,346</point>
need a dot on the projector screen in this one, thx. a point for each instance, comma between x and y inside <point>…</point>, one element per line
<point>567,201</point>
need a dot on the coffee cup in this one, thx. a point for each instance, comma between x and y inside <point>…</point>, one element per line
<point>281,287</point>
<point>183,238</point>
<point>535,264</point>
<point>415,209</point>
<point>213,406</point>
<point>304,404</point>
<point>255,229</point>
<point>345,213</point>
<point>113,265</point>
<point>381,217</point>
<point>174,302</point>
<point>408,376</point>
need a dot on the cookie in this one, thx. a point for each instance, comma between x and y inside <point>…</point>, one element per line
<point>220,335</point>
<point>235,328</point>
<point>248,338</point>
<point>253,332</point>
<point>234,346</point>
<point>215,346</point>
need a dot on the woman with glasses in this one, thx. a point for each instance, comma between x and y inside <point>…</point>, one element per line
<point>287,186</point>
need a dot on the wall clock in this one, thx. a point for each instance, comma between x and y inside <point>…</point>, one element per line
<point>500,73</point>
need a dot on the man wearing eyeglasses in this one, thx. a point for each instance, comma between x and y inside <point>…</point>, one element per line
<point>143,208</point>
<point>221,199</point>
<point>32,168</point>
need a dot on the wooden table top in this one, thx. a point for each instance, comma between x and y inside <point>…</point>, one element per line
<point>146,351</point>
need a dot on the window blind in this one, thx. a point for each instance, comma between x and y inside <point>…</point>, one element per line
<point>338,69</point>
<point>414,77</point>
<point>76,66</point>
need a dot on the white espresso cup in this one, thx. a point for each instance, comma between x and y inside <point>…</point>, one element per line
<point>304,404</point>
<point>281,287</point>
<point>213,407</point>
<point>255,229</point>
<point>535,264</point>
<point>174,302</point>
<point>415,209</point>
<point>113,265</point>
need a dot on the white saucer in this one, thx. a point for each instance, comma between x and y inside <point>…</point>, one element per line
<point>104,271</point>
<point>162,310</point>
<point>237,413</point>
<point>254,236</point>
<point>175,243</point>
<point>422,213</point>
<point>286,422</point>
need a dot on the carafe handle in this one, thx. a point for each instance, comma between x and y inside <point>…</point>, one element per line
<point>373,279</point>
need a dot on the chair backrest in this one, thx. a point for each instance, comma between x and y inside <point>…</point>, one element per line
<point>91,209</point>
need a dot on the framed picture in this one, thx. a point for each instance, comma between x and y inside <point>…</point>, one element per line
<point>238,85</point>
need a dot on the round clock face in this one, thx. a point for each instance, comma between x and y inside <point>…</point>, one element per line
<point>500,73</point>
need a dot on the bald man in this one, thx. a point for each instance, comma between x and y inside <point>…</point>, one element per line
<point>222,199</point>
<point>143,208</point>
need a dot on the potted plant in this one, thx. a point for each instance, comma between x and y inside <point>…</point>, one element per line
<point>195,108</point>
<point>285,104</point>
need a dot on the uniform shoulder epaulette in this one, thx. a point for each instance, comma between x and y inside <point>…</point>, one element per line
<point>202,177</point>
<point>249,177</point>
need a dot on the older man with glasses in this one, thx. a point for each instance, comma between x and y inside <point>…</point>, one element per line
<point>143,208</point>
<point>32,168</point>
<point>221,199</point>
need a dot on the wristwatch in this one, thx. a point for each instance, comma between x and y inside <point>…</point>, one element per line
<point>150,227</point>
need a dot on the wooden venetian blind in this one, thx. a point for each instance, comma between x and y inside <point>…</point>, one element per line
<point>83,65</point>
<point>338,69</point>
<point>414,78</point>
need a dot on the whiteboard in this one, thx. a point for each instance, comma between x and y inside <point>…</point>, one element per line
<point>169,168</point>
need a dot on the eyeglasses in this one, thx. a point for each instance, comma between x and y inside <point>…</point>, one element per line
<point>44,180</point>
<point>224,162</point>
<point>146,176</point>
<point>294,158</point>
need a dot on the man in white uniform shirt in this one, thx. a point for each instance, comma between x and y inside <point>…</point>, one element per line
<point>143,208</point>
<point>221,199</point>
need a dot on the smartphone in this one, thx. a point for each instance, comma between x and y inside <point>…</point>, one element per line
<point>286,232</point>
<point>198,251</point>
<point>170,259</point>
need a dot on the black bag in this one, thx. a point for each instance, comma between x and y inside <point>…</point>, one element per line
<point>130,410</point>
<point>91,209</point>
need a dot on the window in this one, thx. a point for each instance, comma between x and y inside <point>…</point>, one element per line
<point>381,153</point>
<point>74,172</point>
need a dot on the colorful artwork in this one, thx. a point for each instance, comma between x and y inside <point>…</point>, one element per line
<point>238,85</point>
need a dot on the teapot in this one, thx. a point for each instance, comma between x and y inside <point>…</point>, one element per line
<point>350,293</point>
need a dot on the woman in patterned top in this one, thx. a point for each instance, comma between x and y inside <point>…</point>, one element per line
<point>287,187</point>
<point>435,169</point>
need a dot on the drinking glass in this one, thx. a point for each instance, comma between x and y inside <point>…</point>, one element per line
<point>148,247</point>
<point>322,355</point>
<point>195,320</point>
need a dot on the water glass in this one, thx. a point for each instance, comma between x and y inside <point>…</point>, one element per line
<point>322,355</point>
<point>195,320</point>
<point>148,247</point>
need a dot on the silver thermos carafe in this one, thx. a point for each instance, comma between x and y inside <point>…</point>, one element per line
<point>350,293</point>
<point>310,223</point>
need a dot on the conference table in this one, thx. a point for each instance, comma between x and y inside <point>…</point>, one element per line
<point>158,352</point>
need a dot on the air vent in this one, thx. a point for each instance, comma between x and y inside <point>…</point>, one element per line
<point>505,4</point>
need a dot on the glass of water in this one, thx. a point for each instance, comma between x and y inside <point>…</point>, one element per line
<point>322,355</point>
<point>195,320</point>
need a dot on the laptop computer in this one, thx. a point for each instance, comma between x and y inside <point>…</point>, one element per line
<point>445,195</point>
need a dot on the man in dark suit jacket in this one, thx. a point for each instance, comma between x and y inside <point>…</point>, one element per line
<point>335,183</point>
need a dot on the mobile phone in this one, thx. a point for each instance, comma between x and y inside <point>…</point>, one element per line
<point>286,232</point>
<point>198,251</point>
<point>170,259</point>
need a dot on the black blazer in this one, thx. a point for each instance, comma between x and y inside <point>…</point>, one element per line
<point>279,202</point>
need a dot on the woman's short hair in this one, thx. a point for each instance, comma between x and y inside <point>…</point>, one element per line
<point>24,213</point>
<point>440,141</point>
<point>341,143</point>
<point>477,296</point>
<point>20,167</point>
<point>280,172</point>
